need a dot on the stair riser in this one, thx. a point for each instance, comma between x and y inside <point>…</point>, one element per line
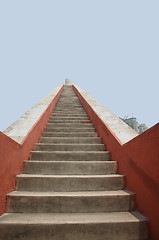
<point>69,134</point>
<point>70,125</point>
<point>74,111</point>
<point>71,110</point>
<point>70,98</point>
<point>70,156</point>
<point>70,168</point>
<point>70,140</point>
<point>54,129</point>
<point>68,184</point>
<point>68,204</point>
<point>68,231</point>
<point>64,147</point>
<point>67,121</point>
<point>69,106</point>
<point>68,115</point>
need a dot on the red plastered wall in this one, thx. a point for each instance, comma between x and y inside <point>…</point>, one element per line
<point>12,154</point>
<point>138,160</point>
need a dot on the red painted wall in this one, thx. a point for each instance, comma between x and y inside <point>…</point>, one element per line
<point>138,160</point>
<point>12,154</point>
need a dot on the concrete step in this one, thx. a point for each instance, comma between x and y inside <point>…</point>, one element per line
<point>69,140</point>
<point>71,156</point>
<point>68,96</point>
<point>65,118</point>
<point>73,111</point>
<point>82,115</point>
<point>69,147</point>
<point>69,129</point>
<point>73,226</point>
<point>68,103</point>
<point>76,121</point>
<point>69,134</point>
<point>65,202</point>
<point>69,106</point>
<point>69,125</point>
<point>70,167</point>
<point>70,111</point>
<point>69,183</point>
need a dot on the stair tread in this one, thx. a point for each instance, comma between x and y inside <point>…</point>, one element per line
<point>71,194</point>
<point>69,176</point>
<point>67,152</point>
<point>70,144</point>
<point>63,133</point>
<point>68,162</point>
<point>70,218</point>
<point>67,138</point>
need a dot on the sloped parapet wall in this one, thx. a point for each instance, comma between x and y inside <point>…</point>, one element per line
<point>19,130</point>
<point>122,131</point>
<point>18,140</point>
<point>137,156</point>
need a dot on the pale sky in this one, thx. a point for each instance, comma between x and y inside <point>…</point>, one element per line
<point>108,48</point>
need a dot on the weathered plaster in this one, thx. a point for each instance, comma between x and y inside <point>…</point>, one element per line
<point>123,132</point>
<point>19,129</point>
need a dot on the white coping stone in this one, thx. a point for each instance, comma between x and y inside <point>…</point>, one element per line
<point>123,132</point>
<point>19,129</point>
<point>67,81</point>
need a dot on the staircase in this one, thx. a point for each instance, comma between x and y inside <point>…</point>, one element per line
<point>69,189</point>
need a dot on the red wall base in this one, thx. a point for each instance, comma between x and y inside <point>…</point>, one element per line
<point>12,154</point>
<point>138,160</point>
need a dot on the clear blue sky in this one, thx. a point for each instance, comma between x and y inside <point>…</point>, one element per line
<point>108,48</point>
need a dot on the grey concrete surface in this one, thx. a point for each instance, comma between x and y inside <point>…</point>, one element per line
<point>66,202</point>
<point>69,134</point>
<point>71,155</point>
<point>69,147</point>
<point>73,226</point>
<point>74,140</point>
<point>70,167</point>
<point>69,183</point>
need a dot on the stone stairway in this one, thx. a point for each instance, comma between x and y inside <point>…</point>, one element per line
<point>69,189</point>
